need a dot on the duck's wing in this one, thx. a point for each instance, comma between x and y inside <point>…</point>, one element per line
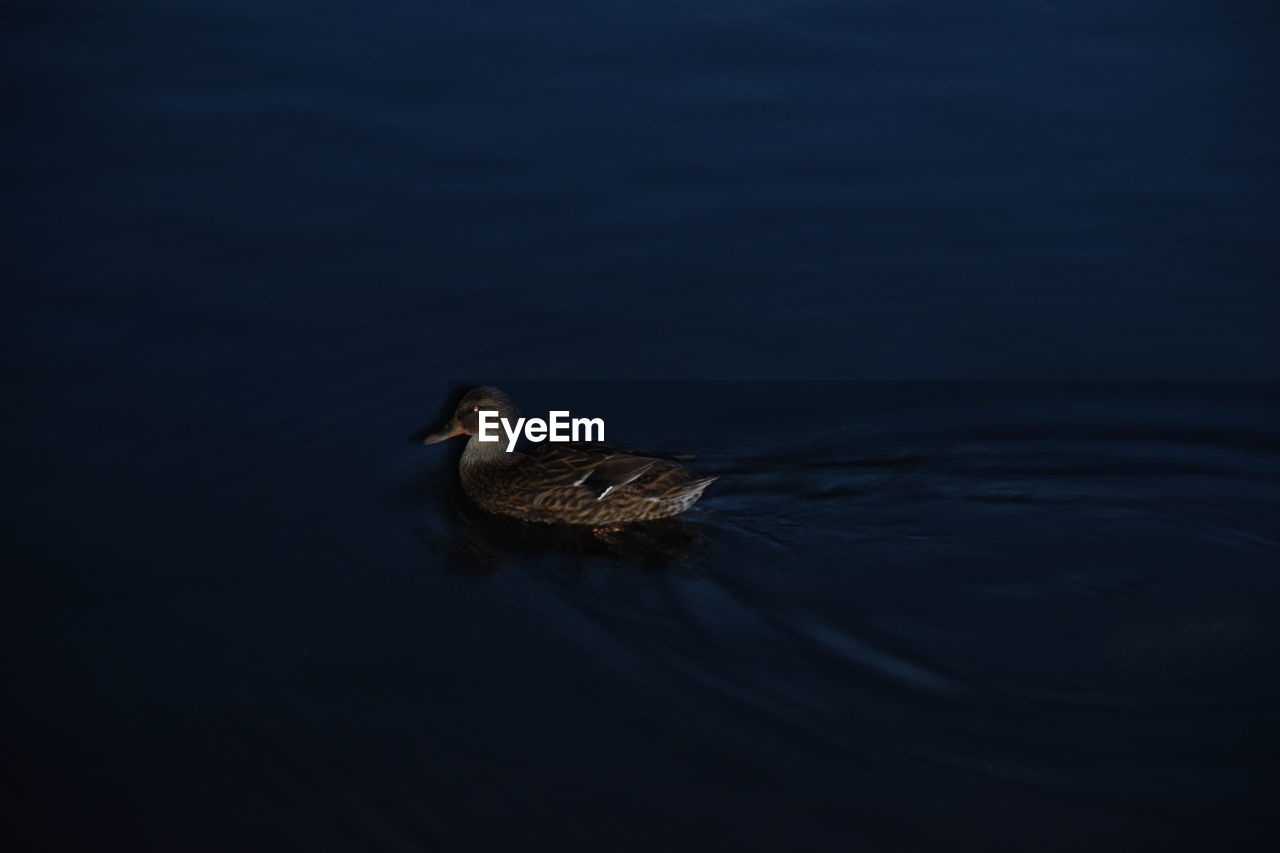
<point>615,472</point>
<point>596,467</point>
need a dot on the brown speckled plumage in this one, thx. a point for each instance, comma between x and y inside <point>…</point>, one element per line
<point>592,484</point>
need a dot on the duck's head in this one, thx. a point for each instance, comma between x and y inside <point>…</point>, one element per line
<point>466,418</point>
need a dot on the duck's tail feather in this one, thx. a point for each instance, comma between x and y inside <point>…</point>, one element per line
<point>686,495</point>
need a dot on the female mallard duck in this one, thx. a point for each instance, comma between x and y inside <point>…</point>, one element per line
<point>591,484</point>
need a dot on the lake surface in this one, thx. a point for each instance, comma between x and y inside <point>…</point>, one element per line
<point>972,310</point>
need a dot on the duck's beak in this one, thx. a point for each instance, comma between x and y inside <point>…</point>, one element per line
<point>445,432</point>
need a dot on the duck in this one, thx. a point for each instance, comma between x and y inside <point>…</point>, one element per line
<point>592,484</point>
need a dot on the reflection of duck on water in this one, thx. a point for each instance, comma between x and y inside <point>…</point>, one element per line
<point>584,484</point>
<point>477,541</point>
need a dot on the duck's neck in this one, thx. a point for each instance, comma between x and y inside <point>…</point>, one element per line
<point>485,453</point>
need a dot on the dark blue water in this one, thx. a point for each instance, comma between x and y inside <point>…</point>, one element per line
<point>253,247</point>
